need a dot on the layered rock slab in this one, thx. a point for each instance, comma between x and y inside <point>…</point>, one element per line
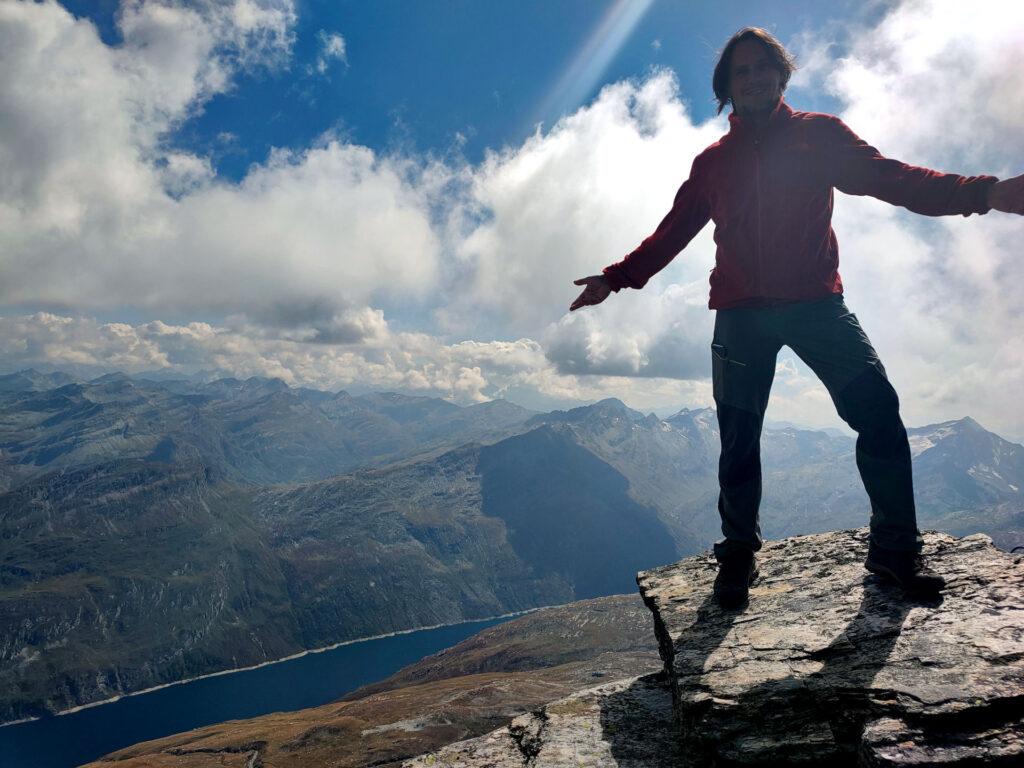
<point>827,665</point>
<point>625,723</point>
<point>830,663</point>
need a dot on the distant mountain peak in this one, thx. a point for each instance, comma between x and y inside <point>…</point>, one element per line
<point>108,377</point>
<point>697,418</point>
<point>966,428</point>
<point>693,412</point>
<point>610,405</point>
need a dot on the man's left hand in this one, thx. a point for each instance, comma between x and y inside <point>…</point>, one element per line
<point>1007,195</point>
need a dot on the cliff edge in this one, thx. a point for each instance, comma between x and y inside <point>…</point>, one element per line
<point>827,664</point>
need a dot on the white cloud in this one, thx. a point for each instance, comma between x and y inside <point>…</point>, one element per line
<point>331,48</point>
<point>940,85</point>
<point>184,173</point>
<point>315,253</point>
<point>938,82</point>
<point>95,214</point>
<point>465,372</point>
<point>568,202</point>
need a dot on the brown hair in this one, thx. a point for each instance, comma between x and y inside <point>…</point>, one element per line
<point>780,58</point>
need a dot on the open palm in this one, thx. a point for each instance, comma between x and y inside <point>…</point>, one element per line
<point>597,290</point>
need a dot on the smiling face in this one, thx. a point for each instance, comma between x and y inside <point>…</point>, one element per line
<point>755,85</point>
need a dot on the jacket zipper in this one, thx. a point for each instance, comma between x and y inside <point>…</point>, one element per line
<point>757,193</point>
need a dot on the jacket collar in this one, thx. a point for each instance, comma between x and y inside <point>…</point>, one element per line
<point>739,126</point>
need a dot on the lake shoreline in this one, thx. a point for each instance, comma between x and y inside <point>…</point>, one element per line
<point>300,654</point>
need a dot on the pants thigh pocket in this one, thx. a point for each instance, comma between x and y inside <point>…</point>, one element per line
<point>719,361</point>
<point>743,384</point>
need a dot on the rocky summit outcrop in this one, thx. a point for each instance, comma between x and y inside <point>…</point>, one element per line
<point>624,723</point>
<point>827,665</point>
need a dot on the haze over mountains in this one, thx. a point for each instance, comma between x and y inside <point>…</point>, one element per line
<point>155,530</point>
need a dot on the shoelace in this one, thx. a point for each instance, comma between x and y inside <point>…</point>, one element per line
<point>919,563</point>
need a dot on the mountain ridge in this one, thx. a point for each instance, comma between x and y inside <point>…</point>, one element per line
<point>352,537</point>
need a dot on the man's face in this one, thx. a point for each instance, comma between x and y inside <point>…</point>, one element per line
<point>754,84</point>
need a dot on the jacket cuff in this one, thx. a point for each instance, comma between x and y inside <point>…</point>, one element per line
<point>616,279</point>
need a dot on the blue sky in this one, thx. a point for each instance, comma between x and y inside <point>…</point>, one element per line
<point>398,195</point>
<point>425,75</point>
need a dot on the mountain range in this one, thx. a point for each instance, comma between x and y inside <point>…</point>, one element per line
<point>153,530</point>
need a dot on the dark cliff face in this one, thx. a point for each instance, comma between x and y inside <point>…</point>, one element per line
<point>410,537</point>
<point>569,513</point>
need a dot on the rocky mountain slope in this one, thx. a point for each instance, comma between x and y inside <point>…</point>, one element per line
<point>124,576</point>
<point>257,431</point>
<point>131,574</point>
<point>463,691</point>
<point>133,551</point>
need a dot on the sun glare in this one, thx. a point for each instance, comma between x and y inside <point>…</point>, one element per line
<point>590,63</point>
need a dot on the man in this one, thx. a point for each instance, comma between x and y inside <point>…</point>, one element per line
<point>768,186</point>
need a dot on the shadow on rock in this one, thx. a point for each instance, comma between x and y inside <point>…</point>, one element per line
<point>804,718</point>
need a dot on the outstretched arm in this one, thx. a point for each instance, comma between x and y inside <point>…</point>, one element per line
<point>857,168</point>
<point>690,212</point>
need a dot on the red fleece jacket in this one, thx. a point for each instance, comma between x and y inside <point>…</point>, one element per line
<point>769,191</point>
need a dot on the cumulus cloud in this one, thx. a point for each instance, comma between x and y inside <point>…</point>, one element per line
<point>668,338</point>
<point>940,85</point>
<point>182,173</point>
<point>565,203</point>
<point>175,56</point>
<point>939,81</point>
<point>315,322</point>
<point>465,372</point>
<point>310,258</point>
<point>96,214</point>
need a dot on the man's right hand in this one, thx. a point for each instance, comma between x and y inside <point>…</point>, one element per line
<point>1008,195</point>
<point>597,290</point>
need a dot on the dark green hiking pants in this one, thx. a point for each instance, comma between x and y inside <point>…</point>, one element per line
<point>828,338</point>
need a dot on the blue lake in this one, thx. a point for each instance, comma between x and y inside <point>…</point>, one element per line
<point>306,681</point>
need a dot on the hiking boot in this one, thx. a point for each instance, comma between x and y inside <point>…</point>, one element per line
<point>905,567</point>
<point>735,575</point>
